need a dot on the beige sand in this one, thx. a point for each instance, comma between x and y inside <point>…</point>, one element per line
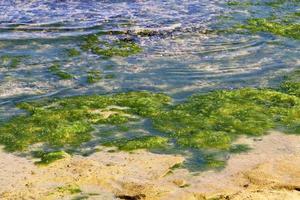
<point>270,171</point>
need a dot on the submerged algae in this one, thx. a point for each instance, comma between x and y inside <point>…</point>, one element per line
<point>210,121</point>
<point>290,30</point>
<point>48,157</point>
<point>69,121</point>
<point>71,189</point>
<point>215,119</point>
<point>55,69</point>
<point>73,52</point>
<point>121,48</point>
<point>10,61</point>
<point>146,142</point>
<point>271,3</point>
<point>93,76</point>
<point>287,25</point>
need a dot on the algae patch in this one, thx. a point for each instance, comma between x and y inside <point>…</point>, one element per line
<point>290,30</point>
<point>287,25</point>
<point>146,142</point>
<point>94,76</point>
<point>204,122</point>
<point>55,69</point>
<point>10,61</point>
<point>48,157</point>
<point>104,48</point>
<point>68,122</point>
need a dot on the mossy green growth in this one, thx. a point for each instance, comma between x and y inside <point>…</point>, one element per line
<point>290,30</point>
<point>239,148</point>
<point>55,69</point>
<point>121,48</point>
<point>146,142</point>
<point>210,121</point>
<point>10,61</point>
<point>70,189</point>
<point>73,52</point>
<point>270,3</point>
<point>68,122</point>
<point>215,119</point>
<point>94,76</point>
<point>291,84</point>
<point>48,157</point>
<point>210,161</point>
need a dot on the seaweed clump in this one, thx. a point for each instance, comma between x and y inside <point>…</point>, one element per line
<point>48,157</point>
<point>146,142</point>
<point>10,61</point>
<point>287,25</point>
<point>291,84</point>
<point>290,30</point>
<point>68,122</point>
<point>271,3</point>
<point>73,52</point>
<point>210,121</point>
<point>215,119</point>
<point>93,76</point>
<point>55,69</point>
<point>123,48</point>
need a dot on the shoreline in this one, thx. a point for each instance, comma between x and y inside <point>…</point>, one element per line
<point>270,170</point>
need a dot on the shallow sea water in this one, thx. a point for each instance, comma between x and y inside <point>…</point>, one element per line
<point>186,56</point>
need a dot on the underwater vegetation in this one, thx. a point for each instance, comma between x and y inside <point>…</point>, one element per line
<point>71,189</point>
<point>10,61</point>
<point>204,122</point>
<point>73,52</point>
<point>270,3</point>
<point>146,142</point>
<point>93,76</point>
<point>68,122</point>
<point>48,157</point>
<point>290,30</point>
<point>287,25</point>
<point>118,47</point>
<point>55,69</point>
<point>291,84</point>
<point>215,119</point>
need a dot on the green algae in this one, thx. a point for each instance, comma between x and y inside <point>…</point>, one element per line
<point>146,142</point>
<point>215,119</point>
<point>73,52</point>
<point>287,25</point>
<point>271,3</point>
<point>103,48</point>
<point>55,69</point>
<point>239,148</point>
<point>290,30</point>
<point>70,189</point>
<point>206,139</point>
<point>10,61</point>
<point>291,84</point>
<point>210,121</point>
<point>94,76</point>
<point>211,161</point>
<point>68,122</point>
<point>48,157</point>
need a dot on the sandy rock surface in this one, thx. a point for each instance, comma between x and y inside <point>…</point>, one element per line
<point>270,171</point>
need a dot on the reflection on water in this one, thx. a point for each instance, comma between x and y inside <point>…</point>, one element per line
<point>181,51</point>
